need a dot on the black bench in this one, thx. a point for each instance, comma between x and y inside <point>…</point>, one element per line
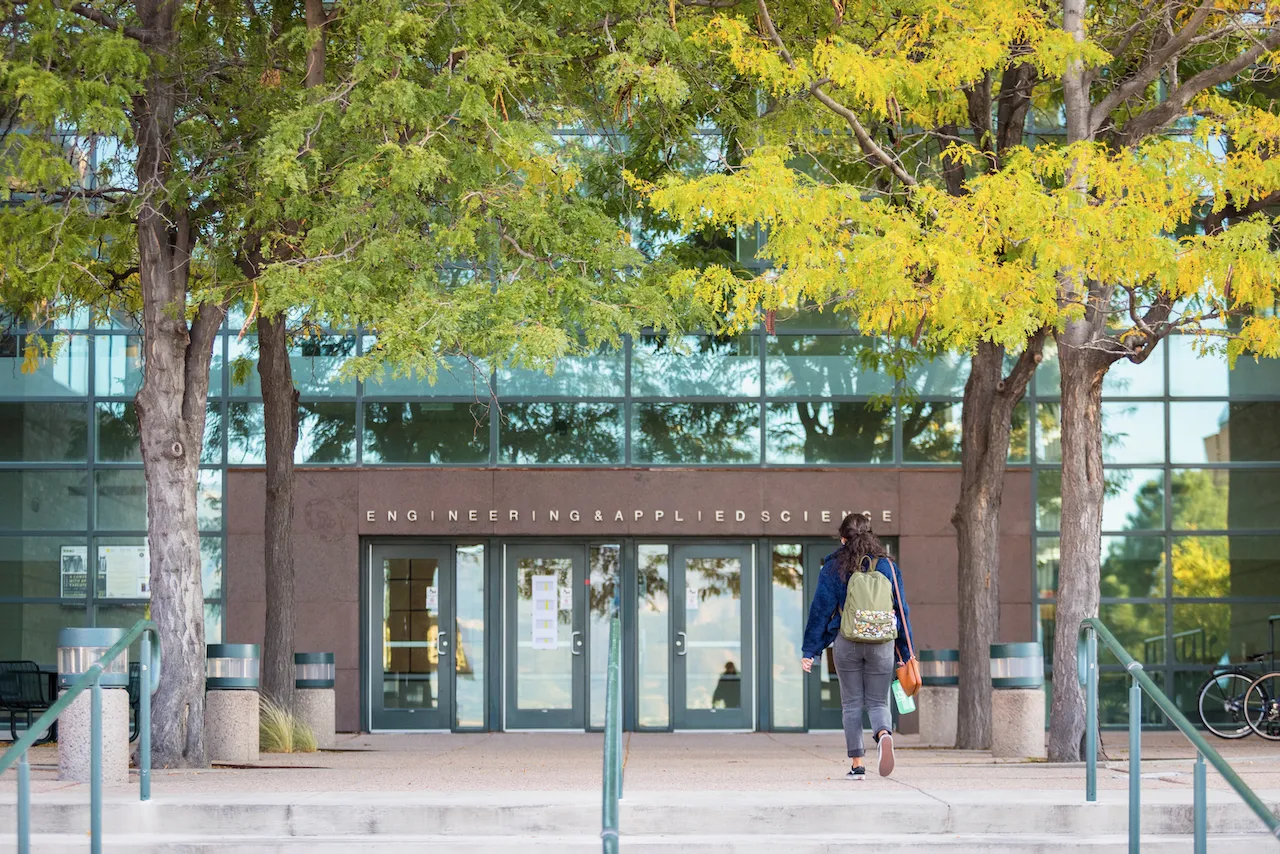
<point>27,690</point>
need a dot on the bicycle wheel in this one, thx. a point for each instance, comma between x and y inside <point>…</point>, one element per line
<point>1262,706</point>
<point>1222,704</point>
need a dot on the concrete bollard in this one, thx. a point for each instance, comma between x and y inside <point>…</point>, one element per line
<point>1017,701</point>
<point>74,737</point>
<point>231,711</point>
<point>313,700</point>
<point>78,650</point>
<point>939,697</point>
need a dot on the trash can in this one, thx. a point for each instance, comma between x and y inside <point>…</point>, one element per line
<point>231,713</point>
<point>314,703</point>
<point>78,650</point>
<point>1017,701</point>
<point>939,697</point>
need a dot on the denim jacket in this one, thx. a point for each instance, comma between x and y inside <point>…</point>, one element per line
<point>828,600</point>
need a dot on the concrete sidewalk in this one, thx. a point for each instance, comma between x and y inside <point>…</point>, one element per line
<point>670,762</point>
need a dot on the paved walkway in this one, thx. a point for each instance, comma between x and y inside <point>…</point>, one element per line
<point>668,762</point>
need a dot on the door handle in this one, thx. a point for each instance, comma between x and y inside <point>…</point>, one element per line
<point>682,646</point>
<point>577,643</point>
<point>442,641</point>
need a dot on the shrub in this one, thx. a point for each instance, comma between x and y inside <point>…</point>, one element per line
<point>280,731</point>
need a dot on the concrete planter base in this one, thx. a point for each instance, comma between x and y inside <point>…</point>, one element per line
<point>74,737</point>
<point>231,726</point>
<point>315,707</point>
<point>1017,720</point>
<point>939,707</point>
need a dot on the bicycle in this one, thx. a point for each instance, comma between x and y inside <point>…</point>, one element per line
<point>1223,699</point>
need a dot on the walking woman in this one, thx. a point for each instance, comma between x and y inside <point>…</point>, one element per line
<point>859,606</point>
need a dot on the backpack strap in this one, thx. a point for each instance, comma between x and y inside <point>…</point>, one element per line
<point>897,594</point>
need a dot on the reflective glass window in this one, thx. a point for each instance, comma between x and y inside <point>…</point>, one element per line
<point>1221,432</point>
<point>1132,567</point>
<point>561,433</point>
<point>930,432</point>
<point>65,373</point>
<point>118,439</point>
<point>695,366</point>
<point>1215,633</point>
<point>1254,376</point>
<point>653,638</point>
<point>1207,566</point>
<point>788,613</point>
<point>469,639</point>
<point>326,432</point>
<point>44,567</point>
<point>809,317</point>
<point>209,500</point>
<point>44,500</point>
<point>43,432</point>
<point>1209,499</point>
<point>316,363</point>
<point>826,366</point>
<point>1020,434</point>
<point>1193,372</point>
<point>455,377</point>
<point>1131,432</point>
<point>1048,559</point>
<point>1133,500</point>
<point>117,365</point>
<point>120,500</point>
<point>941,376</point>
<point>601,375</point>
<point>606,575</point>
<point>1123,378</point>
<point>829,432</point>
<point>695,433</point>
<point>406,432</point>
<point>1138,627</point>
<point>30,632</point>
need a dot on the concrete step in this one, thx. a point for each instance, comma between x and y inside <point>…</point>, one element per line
<point>636,844</point>
<point>898,811</point>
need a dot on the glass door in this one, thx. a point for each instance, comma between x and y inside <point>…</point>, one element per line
<point>712,637</point>
<point>411,671</point>
<point>546,601</point>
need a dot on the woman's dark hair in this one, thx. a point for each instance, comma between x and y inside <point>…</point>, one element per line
<point>860,542</point>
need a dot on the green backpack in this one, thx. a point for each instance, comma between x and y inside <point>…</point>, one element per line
<point>868,607</point>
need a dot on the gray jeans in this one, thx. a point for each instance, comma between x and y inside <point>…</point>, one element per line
<point>866,672</point>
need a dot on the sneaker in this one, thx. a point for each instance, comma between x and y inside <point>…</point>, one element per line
<point>886,755</point>
<point>859,773</point>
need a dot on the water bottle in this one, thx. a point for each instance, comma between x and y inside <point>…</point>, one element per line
<point>906,705</point>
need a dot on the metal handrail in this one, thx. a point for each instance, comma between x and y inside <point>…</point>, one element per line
<point>1091,629</point>
<point>91,679</point>
<point>611,786</point>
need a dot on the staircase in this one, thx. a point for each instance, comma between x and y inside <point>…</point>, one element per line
<point>892,819</point>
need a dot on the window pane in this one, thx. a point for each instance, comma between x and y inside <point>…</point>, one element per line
<point>601,375</point>
<point>696,433</point>
<point>120,500</point>
<point>1048,499</point>
<point>788,630</point>
<point>65,374</point>
<point>211,567</point>
<point>1020,434</point>
<point>696,365</point>
<point>824,432</point>
<point>455,377</point>
<point>1131,432</point>
<point>1048,558</point>
<point>825,366</point>
<point>942,376</point>
<point>1192,374</point>
<point>212,622</point>
<point>43,432</point>
<point>606,574</point>
<point>1132,567</point>
<point>326,432</point>
<point>1113,700</point>
<point>469,639</point>
<point>1134,500</point>
<point>1253,376</point>
<point>47,567</point>
<point>653,639</point>
<point>425,433</point>
<point>1217,633</point>
<point>931,432</point>
<point>1209,566</point>
<point>316,363</point>
<point>44,500</point>
<point>209,500</point>
<point>213,433</point>
<point>1139,628</point>
<point>1202,499</point>
<point>563,433</point>
<point>1221,432</point>
<point>1126,379</point>
<point>118,365</point>
<point>30,632</point>
<point>118,437</point>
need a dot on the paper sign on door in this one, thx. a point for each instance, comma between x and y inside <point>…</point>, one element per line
<point>691,598</point>
<point>433,598</point>
<point>566,598</point>
<point>545,631</point>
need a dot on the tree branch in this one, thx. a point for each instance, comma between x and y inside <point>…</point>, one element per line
<point>102,19</point>
<point>1176,102</point>
<point>1149,72</point>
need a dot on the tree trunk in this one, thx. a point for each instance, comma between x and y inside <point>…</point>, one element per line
<point>987,421</point>
<point>280,431</point>
<point>1079,572</point>
<point>171,411</point>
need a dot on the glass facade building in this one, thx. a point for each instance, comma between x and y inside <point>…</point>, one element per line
<point>1191,552</point>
